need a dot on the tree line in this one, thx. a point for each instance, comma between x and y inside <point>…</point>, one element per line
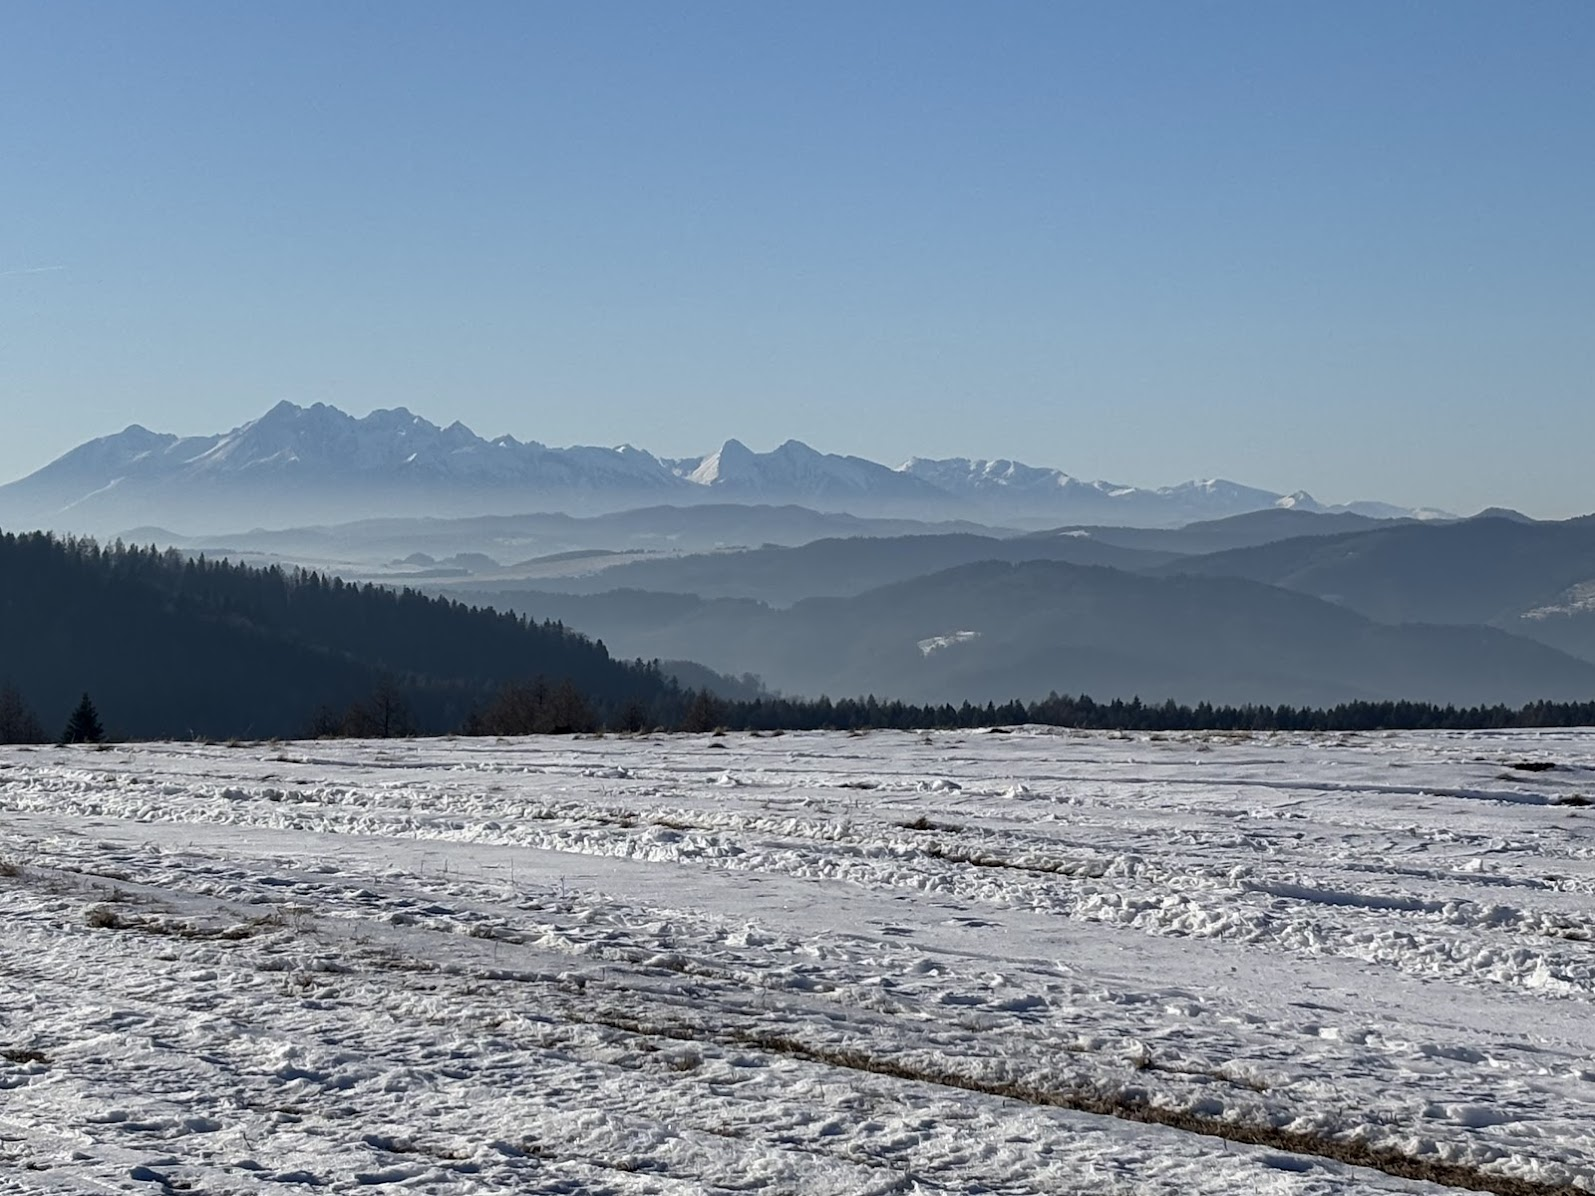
<point>1084,713</point>
<point>544,707</point>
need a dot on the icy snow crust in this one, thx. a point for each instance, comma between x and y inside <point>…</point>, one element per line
<point>807,963</point>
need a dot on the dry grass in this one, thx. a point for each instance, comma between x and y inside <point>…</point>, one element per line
<point>925,824</point>
<point>1122,1105</point>
<point>107,917</point>
<point>103,917</point>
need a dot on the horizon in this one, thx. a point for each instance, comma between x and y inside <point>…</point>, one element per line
<point>1342,252</point>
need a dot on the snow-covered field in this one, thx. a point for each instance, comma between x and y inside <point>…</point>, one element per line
<point>1011,963</point>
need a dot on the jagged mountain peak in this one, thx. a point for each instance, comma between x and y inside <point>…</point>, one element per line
<point>729,461</point>
<point>796,448</point>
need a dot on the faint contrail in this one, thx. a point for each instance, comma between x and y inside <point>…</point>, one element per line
<point>31,270</point>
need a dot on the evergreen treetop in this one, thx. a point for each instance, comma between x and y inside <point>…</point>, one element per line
<point>84,724</point>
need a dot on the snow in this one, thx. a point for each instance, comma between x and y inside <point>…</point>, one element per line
<point>731,461</point>
<point>963,476</point>
<point>812,963</point>
<point>1575,600</point>
<point>321,445</point>
<point>1301,501</point>
<point>937,642</point>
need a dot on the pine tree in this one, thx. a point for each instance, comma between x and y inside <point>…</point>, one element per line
<point>84,725</point>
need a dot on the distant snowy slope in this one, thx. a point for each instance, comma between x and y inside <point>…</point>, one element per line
<point>1025,488</point>
<point>133,454</point>
<point>796,470</point>
<point>319,464</point>
<point>1014,480</point>
<point>961,475</point>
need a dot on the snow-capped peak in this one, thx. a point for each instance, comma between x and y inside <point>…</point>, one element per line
<point>729,462</point>
<point>1300,500</point>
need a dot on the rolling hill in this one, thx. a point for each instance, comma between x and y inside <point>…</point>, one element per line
<point>839,567</point>
<point>1527,577</point>
<point>997,630</point>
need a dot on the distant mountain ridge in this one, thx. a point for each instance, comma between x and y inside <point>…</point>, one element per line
<point>993,630</point>
<point>1498,569</point>
<point>317,463</point>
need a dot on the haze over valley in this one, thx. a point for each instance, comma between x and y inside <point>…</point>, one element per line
<point>806,574</point>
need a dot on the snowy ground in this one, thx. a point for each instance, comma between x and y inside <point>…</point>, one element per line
<point>806,963</point>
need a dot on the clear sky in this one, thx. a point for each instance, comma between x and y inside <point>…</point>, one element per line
<point>1347,247</point>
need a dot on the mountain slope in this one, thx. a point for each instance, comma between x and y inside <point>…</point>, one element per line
<point>839,567</point>
<point>317,464</point>
<point>994,631</point>
<point>1247,530</point>
<point>1490,570</point>
<point>176,648</point>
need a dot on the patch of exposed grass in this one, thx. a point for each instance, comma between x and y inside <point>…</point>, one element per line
<point>925,824</point>
<point>103,917</point>
<point>106,917</point>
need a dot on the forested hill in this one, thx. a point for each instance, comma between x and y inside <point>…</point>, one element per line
<point>173,647</point>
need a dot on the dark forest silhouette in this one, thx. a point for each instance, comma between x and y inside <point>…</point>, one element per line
<point>173,647</point>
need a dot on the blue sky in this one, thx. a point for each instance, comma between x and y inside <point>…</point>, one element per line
<point>1347,247</point>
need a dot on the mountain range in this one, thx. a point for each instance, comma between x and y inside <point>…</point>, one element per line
<point>995,630</point>
<point>1266,607</point>
<point>841,566</point>
<point>1533,579</point>
<point>318,464</point>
